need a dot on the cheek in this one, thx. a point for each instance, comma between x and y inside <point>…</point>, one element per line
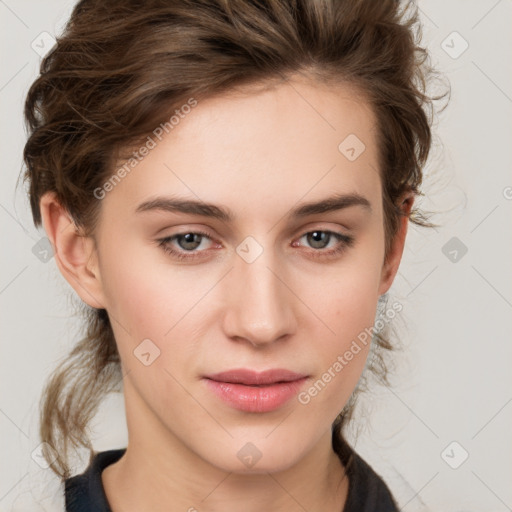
<point>341,352</point>
<point>345,297</point>
<point>145,294</point>
<point>349,312</point>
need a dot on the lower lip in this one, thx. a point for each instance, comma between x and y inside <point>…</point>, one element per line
<point>256,398</point>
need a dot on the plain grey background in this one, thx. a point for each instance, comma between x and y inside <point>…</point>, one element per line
<point>441,435</point>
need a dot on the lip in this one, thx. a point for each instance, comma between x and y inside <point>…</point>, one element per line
<point>251,391</point>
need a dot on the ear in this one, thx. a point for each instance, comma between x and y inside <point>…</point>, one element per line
<point>75,254</point>
<point>392,261</point>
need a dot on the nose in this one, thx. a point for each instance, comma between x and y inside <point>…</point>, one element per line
<point>259,302</point>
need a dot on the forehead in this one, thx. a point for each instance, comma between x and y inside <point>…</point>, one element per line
<point>253,147</point>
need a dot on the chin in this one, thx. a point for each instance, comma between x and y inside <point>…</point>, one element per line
<point>257,457</point>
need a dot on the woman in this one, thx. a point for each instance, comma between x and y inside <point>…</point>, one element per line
<point>227,187</point>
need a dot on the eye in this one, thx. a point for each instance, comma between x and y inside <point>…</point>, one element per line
<point>187,242</point>
<point>319,239</point>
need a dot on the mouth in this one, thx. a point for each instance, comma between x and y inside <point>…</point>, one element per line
<point>251,391</point>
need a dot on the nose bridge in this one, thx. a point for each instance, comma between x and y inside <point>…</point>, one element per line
<point>259,308</point>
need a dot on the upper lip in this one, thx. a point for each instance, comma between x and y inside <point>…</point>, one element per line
<point>251,377</point>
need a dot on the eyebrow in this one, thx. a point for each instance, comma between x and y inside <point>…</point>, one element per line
<point>173,204</point>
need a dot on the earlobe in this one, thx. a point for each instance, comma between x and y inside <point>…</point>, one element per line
<point>392,262</point>
<point>75,254</point>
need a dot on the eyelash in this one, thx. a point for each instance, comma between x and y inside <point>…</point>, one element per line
<point>345,241</point>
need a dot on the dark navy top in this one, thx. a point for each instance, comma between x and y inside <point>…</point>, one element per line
<point>367,491</point>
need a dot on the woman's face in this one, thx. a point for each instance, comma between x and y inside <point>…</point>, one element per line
<point>280,285</point>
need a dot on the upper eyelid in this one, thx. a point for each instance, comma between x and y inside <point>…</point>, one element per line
<point>314,226</point>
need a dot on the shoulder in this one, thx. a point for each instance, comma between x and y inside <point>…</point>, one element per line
<point>85,492</point>
<point>367,490</point>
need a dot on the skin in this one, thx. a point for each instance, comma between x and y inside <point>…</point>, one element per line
<point>260,154</point>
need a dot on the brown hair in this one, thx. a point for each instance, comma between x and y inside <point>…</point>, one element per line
<point>122,67</point>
